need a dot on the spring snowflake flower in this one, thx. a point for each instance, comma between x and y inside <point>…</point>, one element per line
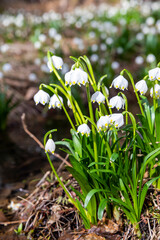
<point>117,102</point>
<point>120,82</point>
<point>98,97</point>
<point>14,206</point>
<point>117,119</point>
<point>103,122</point>
<point>157,91</point>
<point>150,58</point>
<point>154,74</point>
<point>6,67</point>
<point>84,129</point>
<point>50,146</point>
<point>139,60</point>
<point>41,97</point>
<point>141,86</point>
<point>76,76</point>
<point>55,102</point>
<point>115,65</point>
<point>57,62</point>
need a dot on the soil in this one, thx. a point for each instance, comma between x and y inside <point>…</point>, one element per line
<point>47,5</point>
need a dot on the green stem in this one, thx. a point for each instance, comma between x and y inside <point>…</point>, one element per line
<point>68,96</point>
<point>79,110</point>
<point>106,97</point>
<point>133,85</point>
<point>126,105</point>
<point>52,90</point>
<point>55,72</point>
<point>93,128</point>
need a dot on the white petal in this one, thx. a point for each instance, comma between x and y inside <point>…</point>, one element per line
<point>84,129</point>
<point>50,146</point>
<point>41,97</point>
<point>57,62</point>
<point>152,73</point>
<point>117,119</point>
<point>141,86</point>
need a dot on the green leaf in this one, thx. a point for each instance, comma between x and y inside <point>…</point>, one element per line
<point>103,171</point>
<point>114,156</point>
<point>157,121</point>
<point>97,163</point>
<point>76,143</point>
<point>66,144</point>
<point>83,215</point>
<point>101,208</point>
<point>144,192</point>
<point>85,187</point>
<point>91,194</point>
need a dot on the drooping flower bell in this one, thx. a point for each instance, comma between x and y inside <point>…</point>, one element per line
<point>84,129</point>
<point>141,86</point>
<point>103,123</point>
<point>50,146</point>
<point>55,102</point>
<point>76,76</point>
<point>120,82</point>
<point>117,119</point>
<point>41,97</point>
<point>117,102</point>
<point>154,74</point>
<point>98,97</point>
<point>156,90</point>
<point>57,62</point>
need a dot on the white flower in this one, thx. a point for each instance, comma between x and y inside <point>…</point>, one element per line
<point>120,82</point>
<point>4,48</point>
<point>154,74</point>
<point>156,90</point>
<point>150,21</point>
<point>141,86</point>
<point>50,146</point>
<point>117,102</point>
<point>150,58</point>
<point>41,97</point>
<point>94,58</point>
<point>139,60</point>
<point>117,119</point>
<point>42,38</point>
<point>37,45</point>
<point>84,129</point>
<point>140,36</point>
<point>76,76</point>
<point>57,62</point>
<point>120,50</point>
<point>6,67</point>
<point>14,206</point>
<point>109,40</point>
<point>67,77</point>
<point>32,77</point>
<point>103,123</point>
<point>98,97</point>
<point>115,65</point>
<point>52,32</point>
<point>94,47</point>
<point>55,102</point>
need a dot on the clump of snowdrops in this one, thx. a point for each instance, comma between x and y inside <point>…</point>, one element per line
<point>109,152</point>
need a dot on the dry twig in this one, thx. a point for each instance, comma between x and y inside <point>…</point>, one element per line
<point>64,160</point>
